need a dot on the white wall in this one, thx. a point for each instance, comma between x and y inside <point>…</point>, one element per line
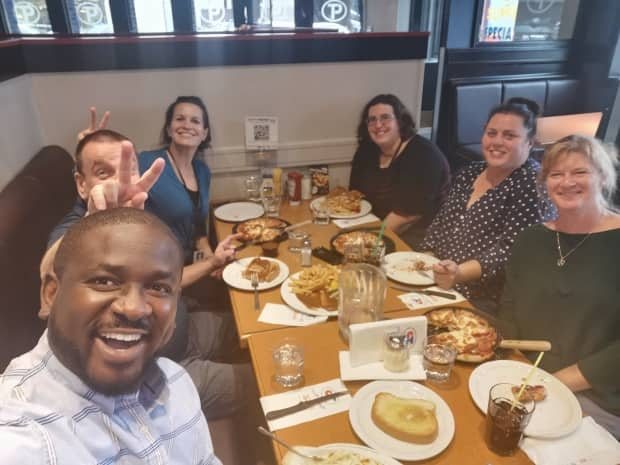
<point>20,132</point>
<point>318,106</point>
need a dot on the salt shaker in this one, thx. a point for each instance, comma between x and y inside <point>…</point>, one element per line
<point>306,252</point>
<point>395,353</point>
<point>306,188</point>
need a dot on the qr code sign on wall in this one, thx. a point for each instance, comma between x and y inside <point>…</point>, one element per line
<point>261,132</point>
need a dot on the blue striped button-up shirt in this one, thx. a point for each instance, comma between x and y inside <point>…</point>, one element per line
<point>49,416</point>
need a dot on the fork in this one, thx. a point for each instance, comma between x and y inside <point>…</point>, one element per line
<point>255,286</point>
<point>294,450</point>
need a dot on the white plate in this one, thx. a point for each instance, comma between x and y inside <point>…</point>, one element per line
<point>291,299</point>
<point>292,459</point>
<point>233,277</point>
<point>397,266</point>
<point>365,209</point>
<point>239,211</point>
<point>364,427</point>
<point>558,415</point>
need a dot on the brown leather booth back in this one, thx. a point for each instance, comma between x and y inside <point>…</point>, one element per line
<point>472,102</point>
<point>30,206</point>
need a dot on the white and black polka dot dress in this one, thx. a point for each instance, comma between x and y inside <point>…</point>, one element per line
<point>486,231</point>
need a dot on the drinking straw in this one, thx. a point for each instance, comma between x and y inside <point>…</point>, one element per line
<point>379,237</point>
<point>381,231</point>
<point>527,379</point>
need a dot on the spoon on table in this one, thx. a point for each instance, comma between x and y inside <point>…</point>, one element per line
<point>294,450</point>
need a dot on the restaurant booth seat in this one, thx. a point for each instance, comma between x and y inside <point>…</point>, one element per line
<point>30,206</point>
<point>470,100</point>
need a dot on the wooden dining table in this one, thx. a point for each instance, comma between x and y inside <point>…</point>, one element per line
<point>246,317</point>
<point>321,344</point>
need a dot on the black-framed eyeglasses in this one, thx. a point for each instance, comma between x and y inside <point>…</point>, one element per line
<point>384,118</point>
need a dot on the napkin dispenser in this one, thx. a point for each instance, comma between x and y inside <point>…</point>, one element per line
<point>366,339</point>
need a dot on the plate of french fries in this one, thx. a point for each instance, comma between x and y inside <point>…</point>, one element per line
<point>313,290</point>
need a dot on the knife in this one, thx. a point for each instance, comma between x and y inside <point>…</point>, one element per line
<point>445,295</point>
<point>303,405</point>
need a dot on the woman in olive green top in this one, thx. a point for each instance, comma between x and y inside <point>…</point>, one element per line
<point>563,278</point>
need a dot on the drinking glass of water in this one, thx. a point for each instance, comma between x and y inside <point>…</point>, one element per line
<point>438,361</point>
<point>252,188</point>
<point>288,361</point>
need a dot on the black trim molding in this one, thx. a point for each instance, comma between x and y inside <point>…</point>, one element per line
<point>42,55</point>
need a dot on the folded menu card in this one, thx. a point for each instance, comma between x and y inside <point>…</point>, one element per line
<point>278,314</point>
<point>290,398</point>
<point>589,444</point>
<point>366,339</point>
<point>376,370</point>
<point>414,300</point>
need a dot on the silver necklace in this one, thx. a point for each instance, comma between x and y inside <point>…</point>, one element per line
<point>562,260</point>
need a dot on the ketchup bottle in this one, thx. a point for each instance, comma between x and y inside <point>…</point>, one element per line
<point>294,187</point>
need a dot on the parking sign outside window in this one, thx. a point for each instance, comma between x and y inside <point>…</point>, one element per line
<point>213,15</point>
<point>27,16</point>
<point>90,16</point>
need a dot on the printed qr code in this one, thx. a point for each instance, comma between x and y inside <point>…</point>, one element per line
<point>261,132</point>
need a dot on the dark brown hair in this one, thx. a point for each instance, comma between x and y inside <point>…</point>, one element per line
<point>527,109</point>
<point>165,138</point>
<point>404,119</point>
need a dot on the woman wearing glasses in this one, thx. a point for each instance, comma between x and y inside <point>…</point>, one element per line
<point>403,175</point>
<point>490,202</point>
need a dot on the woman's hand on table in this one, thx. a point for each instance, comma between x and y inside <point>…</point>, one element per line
<point>93,123</point>
<point>225,251</point>
<point>446,273</point>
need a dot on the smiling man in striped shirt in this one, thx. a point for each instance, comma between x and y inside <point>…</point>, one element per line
<point>93,389</point>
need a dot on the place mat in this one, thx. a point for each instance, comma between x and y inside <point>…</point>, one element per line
<point>376,370</point>
<point>356,221</point>
<point>289,398</point>
<point>278,314</point>
<point>415,300</point>
<point>590,444</point>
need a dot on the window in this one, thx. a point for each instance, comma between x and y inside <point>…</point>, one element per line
<point>213,15</point>
<point>27,16</point>
<point>340,15</point>
<point>90,16</point>
<point>527,20</point>
<point>153,16</point>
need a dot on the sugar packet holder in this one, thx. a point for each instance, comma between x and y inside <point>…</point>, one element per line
<point>366,339</point>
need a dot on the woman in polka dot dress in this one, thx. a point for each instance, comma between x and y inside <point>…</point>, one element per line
<point>490,202</point>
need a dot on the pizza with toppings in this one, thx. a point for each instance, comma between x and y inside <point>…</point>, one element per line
<point>537,393</point>
<point>342,201</point>
<point>261,229</point>
<point>472,335</point>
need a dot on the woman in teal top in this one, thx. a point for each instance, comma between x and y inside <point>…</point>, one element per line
<point>563,277</point>
<point>180,197</point>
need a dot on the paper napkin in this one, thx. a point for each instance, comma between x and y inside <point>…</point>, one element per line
<point>415,300</point>
<point>287,399</point>
<point>356,221</point>
<point>366,339</point>
<point>590,444</point>
<point>278,314</point>
<point>375,370</point>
